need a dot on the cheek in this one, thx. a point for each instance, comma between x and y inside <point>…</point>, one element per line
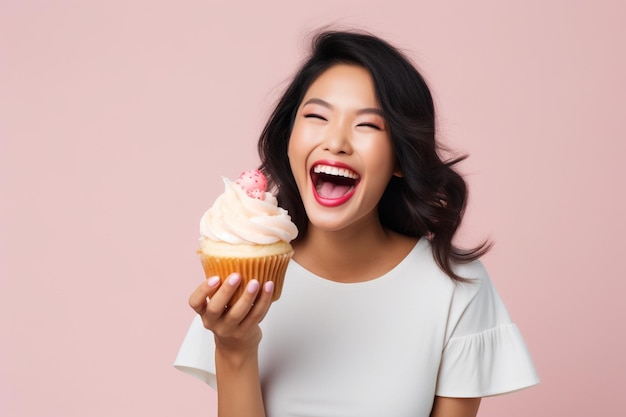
<point>293,150</point>
<point>297,148</point>
<point>297,137</point>
<point>292,145</point>
<point>380,155</point>
<point>296,158</point>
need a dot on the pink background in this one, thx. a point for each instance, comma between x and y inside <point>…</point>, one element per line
<point>117,117</point>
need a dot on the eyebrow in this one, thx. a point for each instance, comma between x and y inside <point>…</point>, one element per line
<point>323,103</point>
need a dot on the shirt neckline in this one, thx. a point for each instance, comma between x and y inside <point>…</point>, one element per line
<point>420,245</point>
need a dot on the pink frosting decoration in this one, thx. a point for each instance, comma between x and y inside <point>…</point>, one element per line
<point>253,182</point>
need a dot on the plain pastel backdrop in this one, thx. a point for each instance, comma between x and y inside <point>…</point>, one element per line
<point>118,117</point>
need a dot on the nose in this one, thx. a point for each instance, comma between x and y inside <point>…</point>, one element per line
<point>337,138</point>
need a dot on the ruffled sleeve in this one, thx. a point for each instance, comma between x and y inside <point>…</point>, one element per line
<point>484,353</point>
<point>196,356</point>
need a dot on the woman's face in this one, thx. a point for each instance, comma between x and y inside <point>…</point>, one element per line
<point>340,150</point>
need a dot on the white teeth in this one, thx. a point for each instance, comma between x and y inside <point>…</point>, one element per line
<point>338,172</point>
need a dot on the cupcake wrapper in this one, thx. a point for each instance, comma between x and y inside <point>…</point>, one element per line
<point>268,268</point>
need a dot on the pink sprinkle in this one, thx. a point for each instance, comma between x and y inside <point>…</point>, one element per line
<point>254,183</point>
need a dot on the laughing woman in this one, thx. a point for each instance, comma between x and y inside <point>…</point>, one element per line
<point>380,315</point>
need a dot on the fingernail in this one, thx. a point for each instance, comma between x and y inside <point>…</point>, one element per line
<point>213,281</point>
<point>269,286</point>
<point>253,286</point>
<point>234,279</point>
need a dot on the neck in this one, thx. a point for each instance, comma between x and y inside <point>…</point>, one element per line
<point>356,254</point>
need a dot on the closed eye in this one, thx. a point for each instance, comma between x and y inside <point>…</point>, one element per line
<point>314,116</point>
<point>370,125</point>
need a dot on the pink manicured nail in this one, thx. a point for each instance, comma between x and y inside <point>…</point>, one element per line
<point>268,287</point>
<point>253,286</point>
<point>234,279</point>
<point>213,281</point>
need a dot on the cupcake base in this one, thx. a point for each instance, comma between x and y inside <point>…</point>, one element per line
<point>262,268</point>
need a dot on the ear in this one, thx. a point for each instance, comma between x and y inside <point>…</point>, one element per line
<point>398,173</point>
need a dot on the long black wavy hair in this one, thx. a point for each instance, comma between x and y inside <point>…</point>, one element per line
<point>430,198</point>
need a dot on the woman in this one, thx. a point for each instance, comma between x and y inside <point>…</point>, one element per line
<point>380,314</point>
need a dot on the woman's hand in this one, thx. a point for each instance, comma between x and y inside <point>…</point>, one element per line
<point>235,323</point>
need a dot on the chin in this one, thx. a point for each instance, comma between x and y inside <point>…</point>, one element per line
<point>328,222</point>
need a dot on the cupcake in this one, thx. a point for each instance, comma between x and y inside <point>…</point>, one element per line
<point>246,232</point>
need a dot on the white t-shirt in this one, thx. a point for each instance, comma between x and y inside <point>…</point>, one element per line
<point>383,347</point>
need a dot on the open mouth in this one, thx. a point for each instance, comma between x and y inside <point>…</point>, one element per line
<point>333,184</point>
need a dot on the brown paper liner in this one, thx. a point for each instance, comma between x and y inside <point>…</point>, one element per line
<point>268,268</point>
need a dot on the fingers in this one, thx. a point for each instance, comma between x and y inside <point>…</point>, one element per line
<point>238,309</point>
<point>213,301</point>
<point>262,304</point>
<point>223,297</point>
<point>253,303</point>
<point>198,299</point>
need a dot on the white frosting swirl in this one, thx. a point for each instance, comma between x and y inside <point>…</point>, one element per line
<point>238,218</point>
